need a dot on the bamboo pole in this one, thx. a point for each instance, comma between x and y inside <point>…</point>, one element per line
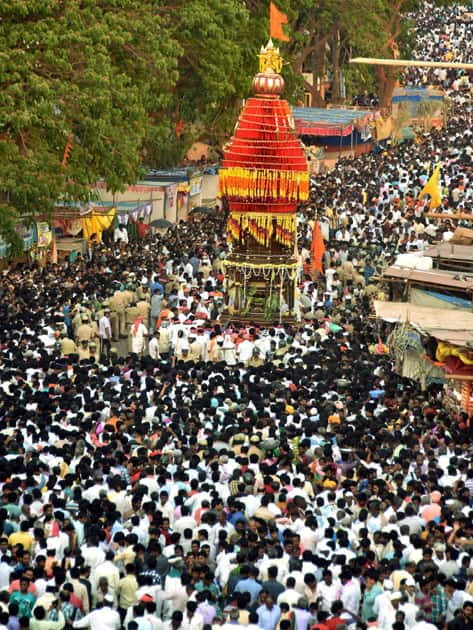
<point>412,62</point>
<point>445,216</point>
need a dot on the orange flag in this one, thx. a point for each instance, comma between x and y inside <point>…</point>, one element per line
<point>317,249</point>
<point>276,19</point>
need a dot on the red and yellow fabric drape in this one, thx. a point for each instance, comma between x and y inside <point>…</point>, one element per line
<point>264,184</point>
<point>262,227</point>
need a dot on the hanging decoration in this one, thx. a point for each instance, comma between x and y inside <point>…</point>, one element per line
<point>264,185</point>
<point>234,230</point>
<point>262,228</point>
<point>259,266</point>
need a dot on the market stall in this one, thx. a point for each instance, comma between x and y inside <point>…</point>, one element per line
<point>338,131</point>
<point>429,345</point>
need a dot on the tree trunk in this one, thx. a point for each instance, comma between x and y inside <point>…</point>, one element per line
<point>336,70</point>
<point>387,76</point>
<point>317,100</point>
<point>318,72</point>
<point>386,83</point>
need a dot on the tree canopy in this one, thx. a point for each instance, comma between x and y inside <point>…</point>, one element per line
<point>127,83</point>
<point>87,72</point>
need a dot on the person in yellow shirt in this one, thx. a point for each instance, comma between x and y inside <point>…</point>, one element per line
<point>127,588</point>
<point>23,537</point>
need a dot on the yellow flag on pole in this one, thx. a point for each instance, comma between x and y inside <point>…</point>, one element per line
<point>432,188</point>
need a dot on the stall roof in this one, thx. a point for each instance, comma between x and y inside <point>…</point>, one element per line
<point>171,176</point>
<point>437,277</point>
<point>122,207</point>
<point>437,322</point>
<point>330,116</point>
<point>451,251</point>
<point>417,94</point>
<point>327,122</point>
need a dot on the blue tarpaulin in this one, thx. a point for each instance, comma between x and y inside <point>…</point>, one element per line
<point>451,299</point>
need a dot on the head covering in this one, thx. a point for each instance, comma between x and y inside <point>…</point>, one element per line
<point>136,325</point>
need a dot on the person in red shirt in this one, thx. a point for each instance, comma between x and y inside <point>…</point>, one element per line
<point>321,624</point>
<point>336,619</point>
<point>142,229</point>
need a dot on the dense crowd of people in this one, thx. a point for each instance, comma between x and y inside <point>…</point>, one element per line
<point>213,474</point>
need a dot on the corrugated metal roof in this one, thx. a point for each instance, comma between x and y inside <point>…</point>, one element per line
<point>330,116</point>
<point>437,322</point>
<point>437,277</point>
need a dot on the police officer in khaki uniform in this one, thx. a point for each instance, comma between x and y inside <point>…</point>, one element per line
<point>68,346</point>
<point>185,355</point>
<point>94,324</point>
<point>195,349</point>
<point>83,350</point>
<point>113,316</point>
<point>216,350</point>
<point>85,332</point>
<point>130,294</point>
<point>131,313</point>
<point>254,446</point>
<point>236,442</point>
<point>118,303</point>
<point>76,318</point>
<point>94,351</point>
<point>142,292</point>
<point>164,341</point>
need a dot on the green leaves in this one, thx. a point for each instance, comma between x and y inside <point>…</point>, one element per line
<point>98,69</point>
<point>137,81</point>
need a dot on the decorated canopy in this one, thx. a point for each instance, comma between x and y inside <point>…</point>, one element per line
<point>264,176</point>
<point>264,168</point>
<point>336,124</point>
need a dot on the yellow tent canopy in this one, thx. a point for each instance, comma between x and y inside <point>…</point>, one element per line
<point>96,223</point>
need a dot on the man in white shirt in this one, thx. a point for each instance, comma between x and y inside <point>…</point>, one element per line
<point>421,624</point>
<point>328,590</point>
<point>153,347</point>
<point>108,570</point>
<point>185,521</point>
<point>291,595</point>
<point>245,351</point>
<point>92,555</point>
<point>221,525</point>
<point>105,332</point>
<point>5,571</point>
<point>192,620</point>
<point>120,235</point>
<point>350,596</point>
<point>102,618</point>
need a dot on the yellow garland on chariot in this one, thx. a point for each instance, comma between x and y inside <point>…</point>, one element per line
<point>252,183</point>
